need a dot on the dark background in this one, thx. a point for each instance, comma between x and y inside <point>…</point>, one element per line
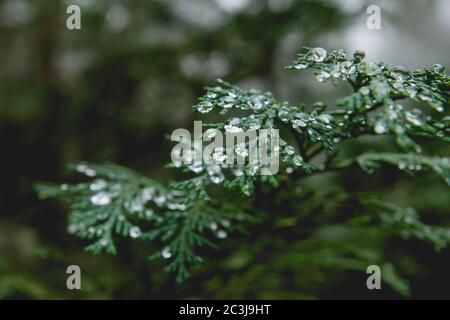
<point>114,89</point>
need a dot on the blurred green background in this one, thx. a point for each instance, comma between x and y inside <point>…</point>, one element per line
<point>114,89</point>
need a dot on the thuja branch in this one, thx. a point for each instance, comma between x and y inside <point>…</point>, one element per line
<point>180,216</point>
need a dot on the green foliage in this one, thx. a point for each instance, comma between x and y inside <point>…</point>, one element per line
<point>184,215</point>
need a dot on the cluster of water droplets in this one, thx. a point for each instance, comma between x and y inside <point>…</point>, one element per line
<point>86,170</point>
<point>289,154</point>
<point>390,120</point>
<point>409,165</point>
<point>103,192</point>
<point>204,106</point>
<point>230,96</point>
<point>101,199</point>
<point>408,225</point>
<point>215,173</point>
<point>233,126</point>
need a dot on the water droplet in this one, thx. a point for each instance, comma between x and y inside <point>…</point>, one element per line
<point>253,169</point>
<point>398,215</point>
<point>254,124</point>
<point>90,173</point>
<point>347,68</point>
<point>438,68</point>
<point>64,187</point>
<point>213,226</point>
<point>241,150</point>
<point>166,254</point>
<point>72,228</point>
<point>409,219</point>
<point>219,155</point>
<point>290,150</point>
<point>425,98</point>
<point>238,172</point>
<point>234,121</point>
<point>101,199</point>
<point>335,72</point>
<point>205,107</point>
<point>364,91</point>
<point>379,89</point>
<point>296,123</point>
<point>318,54</point>
<point>135,232</point>
<point>303,116</point>
<point>257,103</point>
<point>232,129</point>
<point>289,170</point>
<point>300,66</point>
<point>160,200</point>
<point>147,193</point>
<point>210,133</point>
<point>245,189</point>
<point>214,169</point>
<point>81,168</point>
<point>136,206</point>
<point>325,118</point>
<point>402,165</point>
<point>283,115</point>
<point>369,68</point>
<point>297,160</point>
<point>103,242</point>
<point>98,185</point>
<point>380,127</point>
<point>216,178</point>
<point>177,206</point>
<point>414,119</point>
<point>323,76</point>
<point>222,234</point>
<point>196,167</point>
<point>340,54</point>
<point>398,85</point>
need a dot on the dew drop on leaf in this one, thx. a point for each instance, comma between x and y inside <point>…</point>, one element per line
<point>98,185</point>
<point>318,54</point>
<point>300,66</point>
<point>166,254</point>
<point>205,107</point>
<point>135,232</point>
<point>414,119</point>
<point>380,127</point>
<point>222,234</point>
<point>323,76</point>
<point>101,199</point>
<point>213,226</point>
<point>297,160</point>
